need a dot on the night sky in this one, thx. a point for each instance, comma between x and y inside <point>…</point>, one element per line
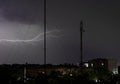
<point>21,30</point>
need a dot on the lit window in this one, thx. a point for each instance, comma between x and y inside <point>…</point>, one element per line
<point>92,64</point>
<point>86,64</point>
<point>115,71</point>
<point>102,64</point>
<point>71,74</point>
<point>43,72</point>
<point>96,80</point>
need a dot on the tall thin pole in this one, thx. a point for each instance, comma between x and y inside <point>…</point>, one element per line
<point>81,43</point>
<point>45,34</point>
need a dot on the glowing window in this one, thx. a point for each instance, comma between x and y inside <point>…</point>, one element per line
<point>86,64</point>
<point>92,64</point>
<point>102,64</point>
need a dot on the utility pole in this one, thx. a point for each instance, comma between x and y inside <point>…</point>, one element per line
<point>81,43</point>
<point>45,34</point>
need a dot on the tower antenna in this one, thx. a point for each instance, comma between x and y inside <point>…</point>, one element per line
<point>45,34</point>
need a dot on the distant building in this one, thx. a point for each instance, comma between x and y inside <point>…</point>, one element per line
<point>112,66</point>
<point>109,64</point>
<point>97,63</point>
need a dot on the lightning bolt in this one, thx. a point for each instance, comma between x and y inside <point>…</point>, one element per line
<point>37,38</point>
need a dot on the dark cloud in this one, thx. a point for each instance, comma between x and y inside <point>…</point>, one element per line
<point>25,11</point>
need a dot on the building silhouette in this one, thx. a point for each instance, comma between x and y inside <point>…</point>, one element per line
<point>108,64</point>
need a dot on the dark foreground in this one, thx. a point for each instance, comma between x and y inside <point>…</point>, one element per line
<point>54,78</point>
<point>20,74</point>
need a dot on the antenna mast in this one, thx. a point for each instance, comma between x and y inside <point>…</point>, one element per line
<point>45,34</point>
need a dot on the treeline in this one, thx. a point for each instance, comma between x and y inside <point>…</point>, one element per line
<point>14,74</point>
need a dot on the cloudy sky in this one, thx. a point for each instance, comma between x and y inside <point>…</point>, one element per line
<point>21,30</point>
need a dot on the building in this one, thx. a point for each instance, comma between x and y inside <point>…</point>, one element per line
<point>108,64</point>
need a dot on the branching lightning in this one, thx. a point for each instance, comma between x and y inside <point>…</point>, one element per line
<point>37,38</point>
